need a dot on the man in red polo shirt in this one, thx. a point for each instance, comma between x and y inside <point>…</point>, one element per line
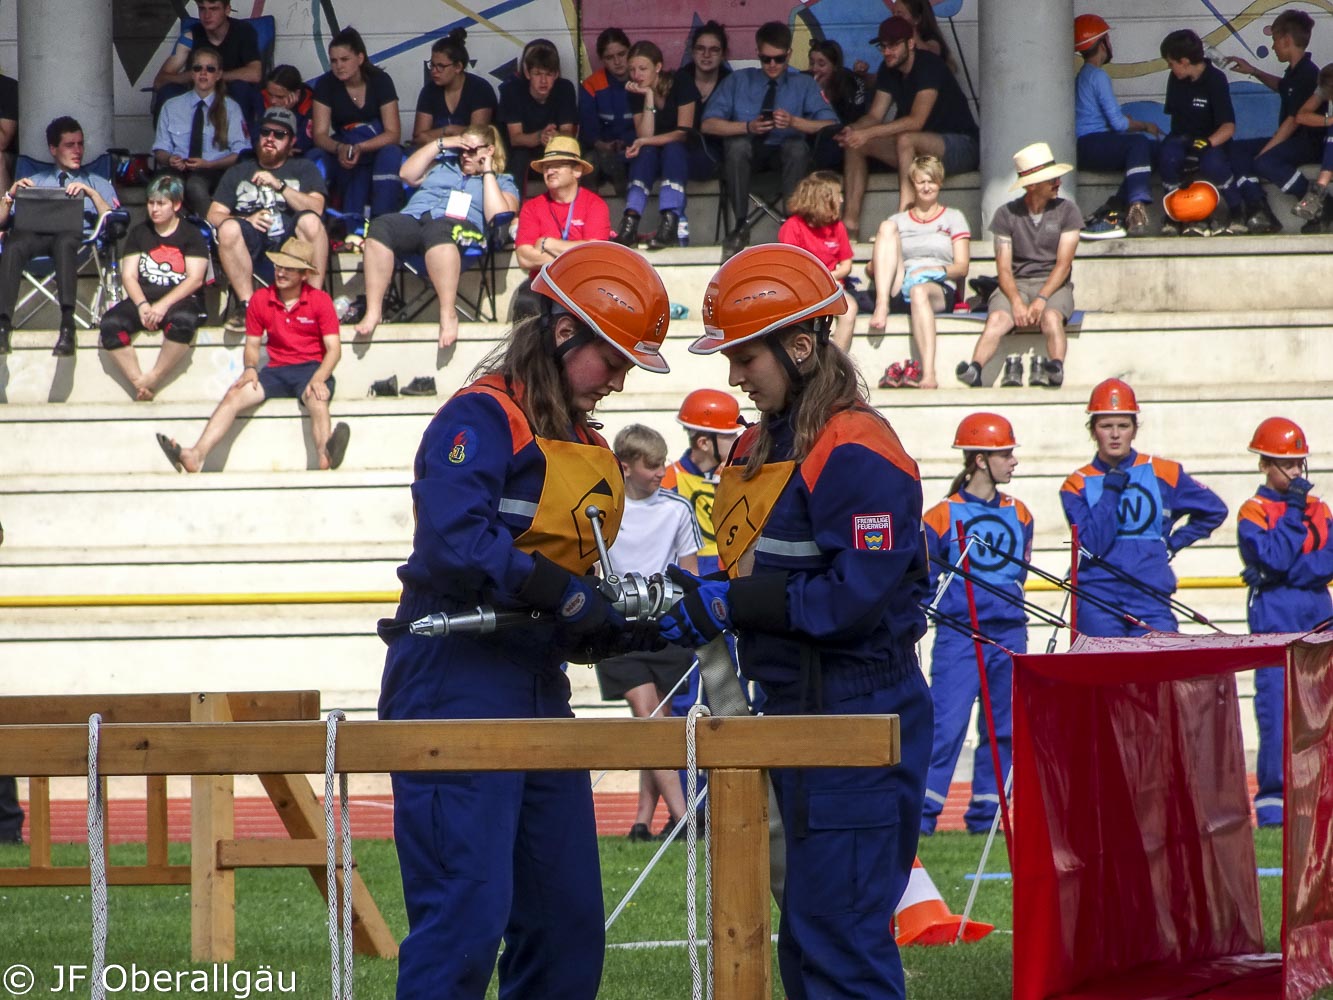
<point>303,349</point>
<point>566,215</point>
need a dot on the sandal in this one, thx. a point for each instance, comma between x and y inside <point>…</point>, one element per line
<point>172,450</point>
<point>893,377</point>
<point>912,374</point>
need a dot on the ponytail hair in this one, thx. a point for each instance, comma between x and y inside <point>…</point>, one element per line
<point>965,476</point>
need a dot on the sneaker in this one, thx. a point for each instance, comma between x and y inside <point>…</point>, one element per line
<point>1234,227</point>
<point>1104,227</point>
<point>384,387</point>
<point>235,320</point>
<point>422,385</point>
<point>1037,372</point>
<point>1172,228</point>
<point>1312,204</point>
<point>912,374</point>
<point>969,373</point>
<point>1055,374</point>
<point>1262,221</point>
<point>892,377</point>
<point>639,834</point>
<point>1200,228</point>
<point>1013,371</point>
<point>1136,220</point>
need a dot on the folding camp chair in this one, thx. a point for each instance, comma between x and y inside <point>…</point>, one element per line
<point>403,303</point>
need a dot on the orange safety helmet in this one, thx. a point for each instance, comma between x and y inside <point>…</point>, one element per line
<point>985,432</point>
<point>1112,396</point>
<point>1089,29</point>
<point>762,289</point>
<point>1278,437</point>
<point>1192,203</point>
<point>710,411</point>
<point>616,293</point>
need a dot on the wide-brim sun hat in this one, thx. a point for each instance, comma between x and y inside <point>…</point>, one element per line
<point>562,149</point>
<point>1036,163</point>
<point>296,253</point>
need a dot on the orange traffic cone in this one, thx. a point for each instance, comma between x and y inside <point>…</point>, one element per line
<point>923,916</point>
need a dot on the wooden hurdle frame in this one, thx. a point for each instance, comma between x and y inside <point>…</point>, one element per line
<point>214,854</point>
<point>735,751</point>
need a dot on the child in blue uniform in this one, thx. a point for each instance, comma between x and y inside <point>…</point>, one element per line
<point>1127,507</point>
<point>1005,526</point>
<point>502,477</point>
<point>818,521</point>
<point>1283,533</point>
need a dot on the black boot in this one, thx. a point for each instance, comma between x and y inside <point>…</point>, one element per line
<point>4,334</point>
<point>667,228</point>
<point>628,233</point>
<point>65,342</point>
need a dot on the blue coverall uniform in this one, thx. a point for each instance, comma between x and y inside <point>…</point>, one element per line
<point>487,856</point>
<point>1288,544</point>
<point>827,573</point>
<point>1135,531</point>
<point>1006,526</point>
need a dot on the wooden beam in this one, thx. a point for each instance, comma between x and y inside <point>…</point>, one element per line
<point>79,876</point>
<point>212,889</point>
<point>507,745</point>
<point>272,852</point>
<point>157,832</point>
<point>738,804</point>
<point>74,709</point>
<point>39,822</point>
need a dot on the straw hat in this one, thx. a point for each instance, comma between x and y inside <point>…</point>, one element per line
<point>1036,163</point>
<point>562,149</point>
<point>296,253</point>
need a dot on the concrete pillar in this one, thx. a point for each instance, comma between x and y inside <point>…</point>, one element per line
<point>1027,80</point>
<point>64,50</point>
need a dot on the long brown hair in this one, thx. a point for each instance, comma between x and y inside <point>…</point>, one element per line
<point>217,114</point>
<point>526,358</point>
<point>832,384</point>
<point>965,476</point>
<point>654,55</point>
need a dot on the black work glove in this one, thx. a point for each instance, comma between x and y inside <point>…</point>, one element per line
<point>1297,490</point>
<point>1256,577</point>
<point>1116,480</point>
<point>1196,149</point>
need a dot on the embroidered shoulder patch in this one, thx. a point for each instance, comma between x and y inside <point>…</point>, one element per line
<point>462,445</point>
<point>873,532</point>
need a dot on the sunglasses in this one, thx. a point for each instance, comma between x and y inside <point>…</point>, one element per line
<point>770,60</point>
<point>274,133</point>
<point>472,150</point>
<point>201,68</point>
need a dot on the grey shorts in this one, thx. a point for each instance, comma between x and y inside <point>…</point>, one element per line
<point>1062,300</point>
<point>961,153</point>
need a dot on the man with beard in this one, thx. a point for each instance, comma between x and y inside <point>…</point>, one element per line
<point>255,210</point>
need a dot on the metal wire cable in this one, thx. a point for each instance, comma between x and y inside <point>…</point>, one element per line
<point>340,944</point>
<point>97,860</point>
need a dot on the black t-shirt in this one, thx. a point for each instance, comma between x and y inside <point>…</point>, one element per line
<point>477,95</point>
<point>950,114</point>
<point>687,70</point>
<point>332,93</point>
<point>518,107</point>
<point>667,119</point>
<point>162,258</point>
<point>1294,89</point>
<point>1198,108</point>
<point>239,48</point>
<point>235,191</point>
<point>848,96</point>
<point>9,98</point>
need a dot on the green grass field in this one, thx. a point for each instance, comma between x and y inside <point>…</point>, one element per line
<point>280,924</point>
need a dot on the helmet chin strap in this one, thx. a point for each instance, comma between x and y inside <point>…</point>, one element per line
<point>820,331</point>
<point>551,311</point>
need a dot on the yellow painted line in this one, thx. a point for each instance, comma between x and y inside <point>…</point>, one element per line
<point>1184,583</point>
<point>488,23</point>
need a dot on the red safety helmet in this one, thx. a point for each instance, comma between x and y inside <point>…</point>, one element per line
<point>762,289</point>
<point>985,432</point>
<point>1112,396</point>
<point>616,293</point>
<point>1089,29</point>
<point>1192,203</point>
<point>710,411</point>
<point>1278,437</point>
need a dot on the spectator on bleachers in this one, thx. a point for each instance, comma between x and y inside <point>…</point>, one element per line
<point>201,133</point>
<point>238,43</point>
<point>657,529</point>
<point>706,69</point>
<point>284,88</point>
<point>64,140</point>
<point>163,267</point>
<point>461,185</point>
<point>11,813</point>
<point>258,205</point>
<point>1036,237</point>
<point>765,117</point>
<point>566,214</point>
<point>454,99</point>
<point>303,349</point>
<point>9,127</point>
<point>1203,122</point>
<point>356,124</point>
<point>536,106</point>
<point>664,106</point>
<point>846,94</point>
<point>919,263</point>
<point>606,120</point>
<point>1317,112</point>
<point>814,223</point>
<point>1279,158</point>
<point>1108,139</point>
<point>925,27</point>
<point>931,117</point>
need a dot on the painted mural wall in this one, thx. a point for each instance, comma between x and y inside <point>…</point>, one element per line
<point>399,33</point>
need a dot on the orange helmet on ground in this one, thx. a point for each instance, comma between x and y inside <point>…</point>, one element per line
<point>616,293</point>
<point>1112,396</point>
<point>762,289</point>
<point>1088,30</point>
<point>710,410</point>
<point>1192,203</point>
<point>1278,437</point>
<point>985,432</point>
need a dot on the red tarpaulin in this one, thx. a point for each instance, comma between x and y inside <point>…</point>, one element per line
<point>1134,865</point>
